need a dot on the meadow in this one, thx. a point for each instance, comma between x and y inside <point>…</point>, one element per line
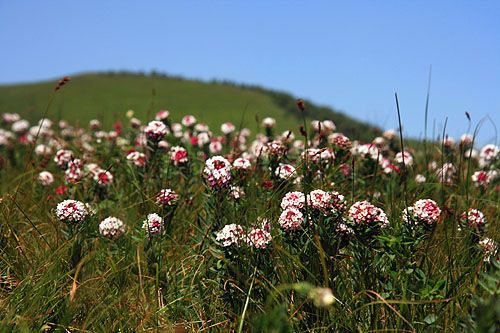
<point>169,224</point>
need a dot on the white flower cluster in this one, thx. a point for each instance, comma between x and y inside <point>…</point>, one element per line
<point>153,224</point>
<point>71,211</point>
<point>111,227</point>
<point>217,171</point>
<point>231,234</point>
<point>363,212</point>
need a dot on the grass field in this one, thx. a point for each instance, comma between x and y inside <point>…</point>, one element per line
<point>165,228</point>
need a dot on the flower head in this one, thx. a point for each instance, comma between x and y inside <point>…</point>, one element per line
<point>291,219</point>
<point>153,224</point>
<point>364,213</point>
<point>231,234</point>
<point>217,171</point>
<point>156,130</point>
<point>71,211</point>
<point>111,227</point>
<point>167,197</point>
<point>293,200</point>
<point>258,238</point>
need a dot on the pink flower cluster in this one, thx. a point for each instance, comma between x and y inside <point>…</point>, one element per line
<point>423,211</point>
<point>217,171</point>
<point>291,219</point>
<point>156,130</point>
<point>167,197</point>
<point>137,158</point>
<point>364,213</point>
<point>153,224</point>
<point>234,235</point>
<point>111,227</point>
<point>258,238</point>
<point>71,211</point>
<point>473,217</point>
<point>178,155</point>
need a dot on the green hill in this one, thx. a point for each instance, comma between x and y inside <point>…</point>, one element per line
<point>107,96</point>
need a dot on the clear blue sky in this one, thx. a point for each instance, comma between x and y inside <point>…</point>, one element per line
<point>352,55</point>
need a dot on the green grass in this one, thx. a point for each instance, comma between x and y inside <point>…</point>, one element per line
<point>108,96</point>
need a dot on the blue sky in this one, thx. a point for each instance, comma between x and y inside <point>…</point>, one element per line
<point>352,55</point>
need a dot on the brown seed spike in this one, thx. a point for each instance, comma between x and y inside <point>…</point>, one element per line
<point>301,104</point>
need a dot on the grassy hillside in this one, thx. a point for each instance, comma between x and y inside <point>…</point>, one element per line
<point>107,96</point>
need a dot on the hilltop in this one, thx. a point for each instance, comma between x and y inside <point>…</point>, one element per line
<point>107,96</point>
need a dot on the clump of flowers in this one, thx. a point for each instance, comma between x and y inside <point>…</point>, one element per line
<point>473,218</point>
<point>45,178</point>
<point>285,171</point>
<point>404,158</point>
<point>155,130</point>
<point>139,159</point>
<point>63,157</point>
<point>242,164</point>
<point>72,211</point>
<point>291,219</point>
<point>231,234</point>
<point>167,197</point>
<point>363,213</point>
<point>258,238</point>
<point>489,247</point>
<point>484,178</point>
<point>103,178</point>
<point>111,227</point>
<point>319,199</point>
<point>488,154</point>
<point>178,155</point>
<point>153,224</point>
<point>236,192</point>
<point>337,203</point>
<point>293,200</point>
<point>217,171</point>
<point>424,211</point>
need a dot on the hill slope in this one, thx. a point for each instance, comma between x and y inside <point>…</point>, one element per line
<point>107,96</point>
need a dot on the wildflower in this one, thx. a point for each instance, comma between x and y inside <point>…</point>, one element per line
<point>167,197</point>
<point>319,199</point>
<point>215,147</point>
<point>236,192</point>
<point>337,202</point>
<point>188,120</point>
<point>139,159</point>
<point>153,224</point>
<point>466,139</point>
<point>404,157</point>
<point>135,123</point>
<point>293,200</point>
<point>62,157</point>
<point>291,219</point>
<point>259,238</point>
<point>20,126</point>
<point>489,247</point>
<point>103,178</point>
<point>162,115</point>
<point>448,142</point>
<point>45,178</point>
<point>285,171</point>
<point>389,134</point>
<point>364,213</point>
<point>484,178</point>
<point>155,130</point>
<point>42,150</point>
<point>268,122</point>
<point>231,234</point>
<point>94,124</point>
<point>339,140</point>
<point>178,155</point>
<point>474,218</point>
<point>217,171</point>
<point>242,164</point>
<point>487,154</point>
<point>71,211</point>
<point>227,128</point>
<point>423,211</point>
<point>420,179</point>
<point>446,173</point>
<point>111,227</point>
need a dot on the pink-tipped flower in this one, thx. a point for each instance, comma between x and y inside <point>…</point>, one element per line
<point>319,199</point>
<point>404,157</point>
<point>258,238</point>
<point>268,122</point>
<point>227,128</point>
<point>339,140</point>
<point>285,171</point>
<point>62,158</point>
<point>162,115</point>
<point>111,227</point>
<point>489,247</point>
<point>167,197</point>
<point>153,224</point>
<point>156,130</point>
<point>474,218</point>
<point>424,211</point>
<point>291,219</point>
<point>293,200</point>
<point>217,171</point>
<point>231,234</point>
<point>364,213</point>
<point>188,120</point>
<point>337,202</point>
<point>71,211</point>
<point>242,164</point>
<point>45,178</point>
<point>103,178</point>
<point>139,159</point>
<point>484,178</point>
<point>178,155</point>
